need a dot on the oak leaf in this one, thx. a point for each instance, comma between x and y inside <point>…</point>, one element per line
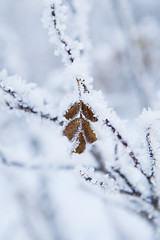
<point>88,132</point>
<point>72,128</point>
<point>81,144</point>
<point>72,111</point>
<point>88,113</point>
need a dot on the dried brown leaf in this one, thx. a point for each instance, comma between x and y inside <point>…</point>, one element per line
<point>82,144</point>
<point>73,110</point>
<point>89,134</point>
<point>88,113</point>
<point>72,128</point>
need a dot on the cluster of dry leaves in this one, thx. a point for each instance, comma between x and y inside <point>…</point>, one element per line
<point>79,128</point>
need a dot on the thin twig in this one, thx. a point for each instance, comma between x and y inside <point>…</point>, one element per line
<point>64,42</point>
<point>23,106</point>
<point>102,168</point>
<point>154,198</point>
<point>101,184</point>
<point>128,183</point>
<point>123,142</point>
<point>126,145</point>
<point>151,153</point>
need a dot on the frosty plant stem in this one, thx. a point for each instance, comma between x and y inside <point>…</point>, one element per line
<point>154,198</point>
<point>131,153</point>
<point>151,153</point>
<point>65,44</point>
<point>123,142</point>
<point>17,103</point>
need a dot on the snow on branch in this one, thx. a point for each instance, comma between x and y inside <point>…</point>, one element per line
<point>151,152</point>
<point>67,48</point>
<point>131,153</point>
<point>123,142</point>
<point>149,124</point>
<point>142,206</point>
<point>54,19</point>
<point>17,95</point>
<point>115,173</point>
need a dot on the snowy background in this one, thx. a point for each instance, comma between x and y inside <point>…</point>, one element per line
<point>121,42</point>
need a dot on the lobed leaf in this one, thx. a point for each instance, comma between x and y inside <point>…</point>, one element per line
<point>82,144</point>
<point>88,113</point>
<point>72,128</point>
<point>89,134</point>
<point>73,110</point>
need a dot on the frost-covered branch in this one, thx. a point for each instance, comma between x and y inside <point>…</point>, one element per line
<point>17,95</point>
<point>123,142</point>
<point>54,19</point>
<point>62,40</point>
<point>145,207</point>
<point>114,173</point>
<point>126,145</point>
<point>154,198</point>
<point>151,153</point>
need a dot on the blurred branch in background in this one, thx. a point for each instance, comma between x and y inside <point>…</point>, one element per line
<point>138,71</point>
